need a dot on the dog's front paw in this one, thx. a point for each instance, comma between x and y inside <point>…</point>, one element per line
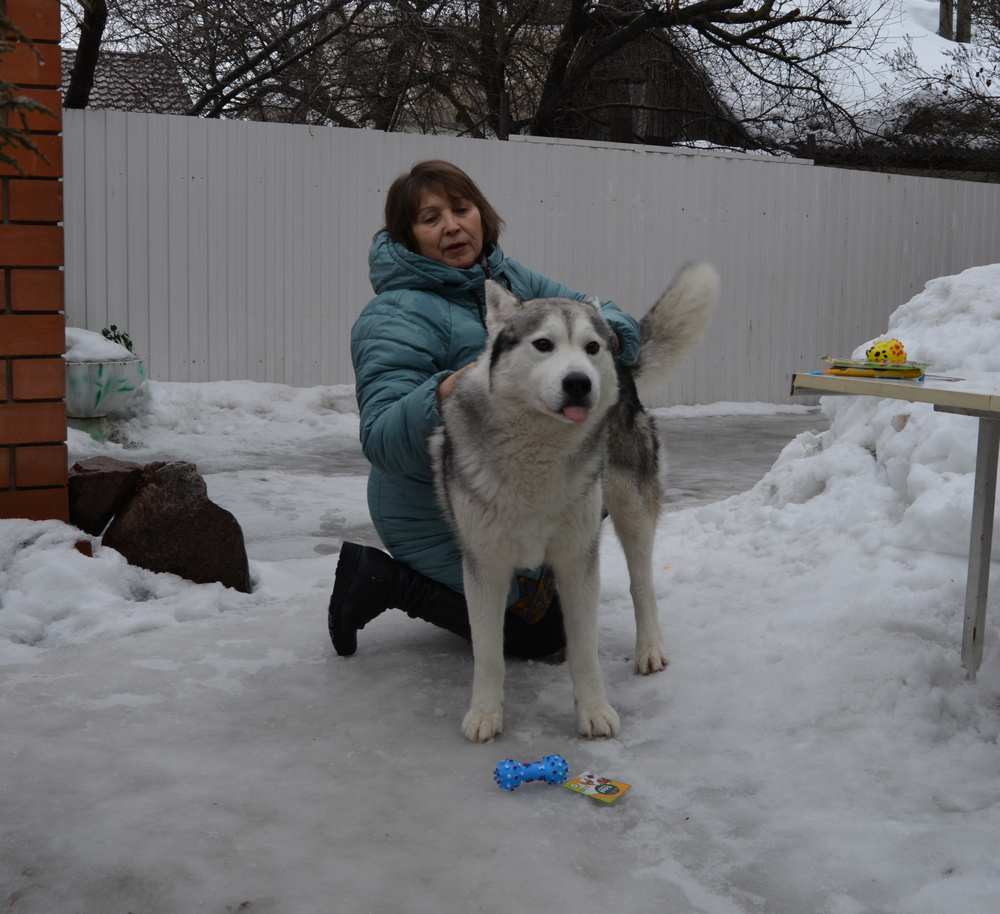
<point>482,726</point>
<point>650,658</point>
<point>599,721</point>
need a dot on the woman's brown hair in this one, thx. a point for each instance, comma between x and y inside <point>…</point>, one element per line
<point>402,203</point>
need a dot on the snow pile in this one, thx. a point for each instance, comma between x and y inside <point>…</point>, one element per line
<point>906,470</point>
<point>954,324</point>
<point>221,421</point>
<point>731,408</point>
<point>52,594</point>
<point>241,411</point>
<point>88,346</point>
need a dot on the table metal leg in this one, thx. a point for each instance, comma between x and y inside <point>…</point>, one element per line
<point>981,544</point>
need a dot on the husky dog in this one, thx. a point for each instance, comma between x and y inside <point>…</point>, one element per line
<point>540,434</point>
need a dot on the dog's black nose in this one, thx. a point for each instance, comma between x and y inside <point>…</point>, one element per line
<point>576,385</point>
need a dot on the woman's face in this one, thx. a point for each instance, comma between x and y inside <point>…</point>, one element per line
<point>448,231</point>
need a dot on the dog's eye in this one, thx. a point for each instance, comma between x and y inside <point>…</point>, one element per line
<point>592,348</point>
<point>543,345</point>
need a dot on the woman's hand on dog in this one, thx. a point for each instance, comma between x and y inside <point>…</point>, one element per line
<point>448,384</point>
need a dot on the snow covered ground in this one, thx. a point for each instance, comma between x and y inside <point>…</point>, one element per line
<point>813,745</point>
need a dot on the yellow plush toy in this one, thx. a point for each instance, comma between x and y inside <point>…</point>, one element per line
<point>886,351</point>
<point>883,359</point>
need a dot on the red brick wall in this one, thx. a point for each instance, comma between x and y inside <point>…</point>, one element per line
<point>32,322</point>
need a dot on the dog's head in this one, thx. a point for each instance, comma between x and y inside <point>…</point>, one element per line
<point>552,354</point>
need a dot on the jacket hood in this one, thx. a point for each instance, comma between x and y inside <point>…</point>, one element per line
<point>392,267</point>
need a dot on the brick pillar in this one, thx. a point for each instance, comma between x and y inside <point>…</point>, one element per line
<point>32,321</point>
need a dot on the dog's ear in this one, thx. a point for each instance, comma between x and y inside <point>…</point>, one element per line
<point>500,304</point>
<point>593,301</point>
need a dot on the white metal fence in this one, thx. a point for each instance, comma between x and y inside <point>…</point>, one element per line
<point>233,250</point>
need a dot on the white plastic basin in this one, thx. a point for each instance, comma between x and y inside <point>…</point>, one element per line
<point>97,388</point>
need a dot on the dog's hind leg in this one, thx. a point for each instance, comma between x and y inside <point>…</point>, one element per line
<point>486,596</point>
<point>634,515</point>
<point>579,585</point>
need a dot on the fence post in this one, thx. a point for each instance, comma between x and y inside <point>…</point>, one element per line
<point>32,319</point>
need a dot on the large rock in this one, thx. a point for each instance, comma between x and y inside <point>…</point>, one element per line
<point>171,525</point>
<point>98,487</point>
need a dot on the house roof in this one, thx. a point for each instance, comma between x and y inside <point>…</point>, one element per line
<point>133,81</point>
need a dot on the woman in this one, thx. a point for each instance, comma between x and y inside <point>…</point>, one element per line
<point>410,344</point>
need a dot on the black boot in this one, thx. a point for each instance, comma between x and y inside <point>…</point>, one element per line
<point>368,582</point>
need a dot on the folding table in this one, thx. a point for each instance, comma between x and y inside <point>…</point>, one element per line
<point>971,395</point>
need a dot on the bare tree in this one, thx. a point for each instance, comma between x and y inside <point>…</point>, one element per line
<point>948,118</point>
<point>485,67</point>
<point>776,69</point>
<point>81,81</point>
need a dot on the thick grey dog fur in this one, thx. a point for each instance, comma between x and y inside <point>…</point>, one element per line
<point>538,436</point>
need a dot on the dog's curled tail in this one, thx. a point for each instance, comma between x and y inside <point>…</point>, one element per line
<point>676,323</point>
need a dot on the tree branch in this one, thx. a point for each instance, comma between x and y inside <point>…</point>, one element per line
<point>81,80</point>
<point>265,52</point>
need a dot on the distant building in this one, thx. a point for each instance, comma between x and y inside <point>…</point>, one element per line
<point>133,81</point>
<point>651,91</point>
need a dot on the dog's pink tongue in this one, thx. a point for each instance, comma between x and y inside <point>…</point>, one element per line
<point>576,413</point>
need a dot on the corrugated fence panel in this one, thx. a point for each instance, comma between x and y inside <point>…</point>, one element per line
<point>137,310</point>
<point>230,249</point>
<point>216,291</point>
<point>158,266</point>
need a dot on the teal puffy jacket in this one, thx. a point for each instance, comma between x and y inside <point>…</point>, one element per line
<point>425,323</point>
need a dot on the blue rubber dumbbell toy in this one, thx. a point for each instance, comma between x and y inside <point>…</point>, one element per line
<point>552,769</point>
